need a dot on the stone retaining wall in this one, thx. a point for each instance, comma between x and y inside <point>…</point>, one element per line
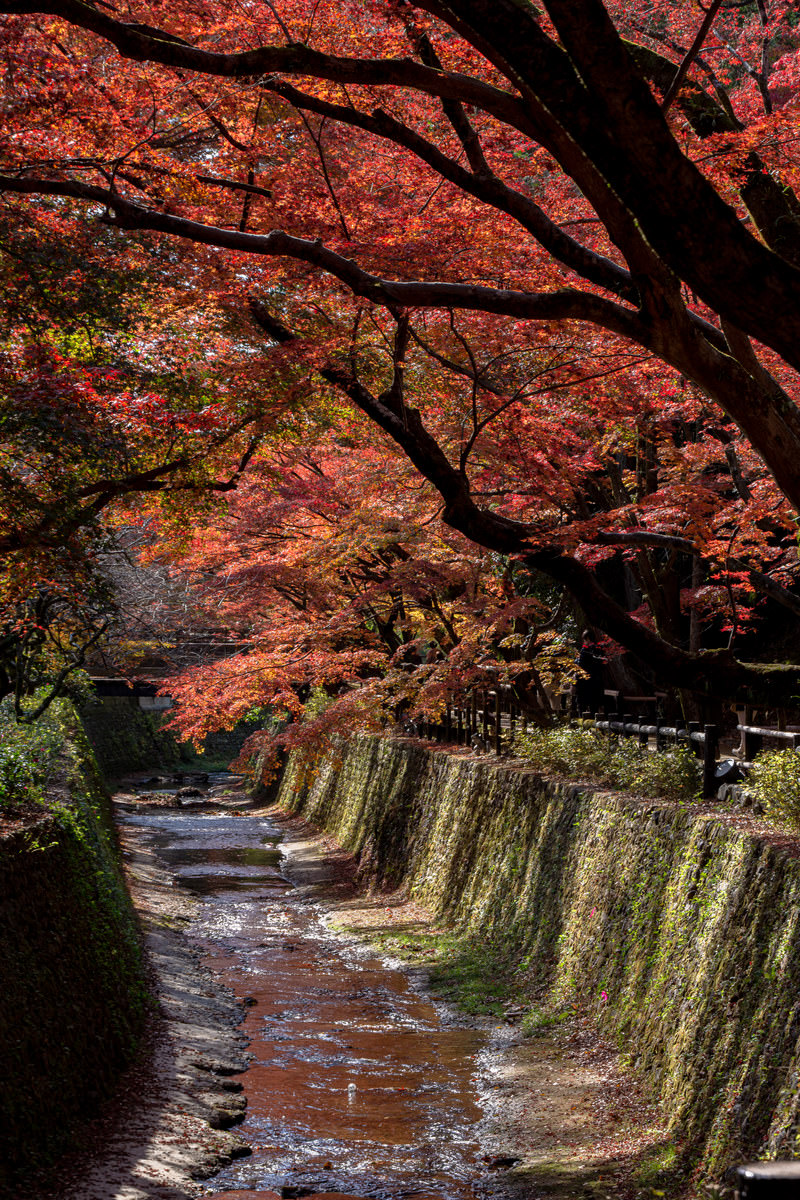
<point>126,739</point>
<point>680,930</point>
<point>73,999</point>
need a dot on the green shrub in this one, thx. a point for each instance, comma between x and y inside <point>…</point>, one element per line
<point>585,753</point>
<point>674,774</point>
<point>567,750</point>
<point>28,758</point>
<point>774,781</point>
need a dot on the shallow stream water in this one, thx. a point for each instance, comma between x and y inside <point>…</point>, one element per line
<point>359,1083</point>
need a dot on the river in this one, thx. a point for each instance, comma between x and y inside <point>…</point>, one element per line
<point>358,1083</point>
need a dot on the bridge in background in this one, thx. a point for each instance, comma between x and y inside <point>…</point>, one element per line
<point>142,690</point>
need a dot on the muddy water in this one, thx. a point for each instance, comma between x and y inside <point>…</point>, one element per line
<point>358,1083</point>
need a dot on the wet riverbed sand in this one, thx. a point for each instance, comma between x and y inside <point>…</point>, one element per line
<point>248,1195</point>
<point>359,1084</point>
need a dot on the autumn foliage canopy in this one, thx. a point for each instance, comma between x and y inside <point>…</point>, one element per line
<point>415,335</point>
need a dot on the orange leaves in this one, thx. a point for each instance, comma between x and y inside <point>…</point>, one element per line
<point>404,173</point>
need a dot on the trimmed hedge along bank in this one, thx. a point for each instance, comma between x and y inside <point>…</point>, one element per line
<point>690,927</point>
<point>73,1000</point>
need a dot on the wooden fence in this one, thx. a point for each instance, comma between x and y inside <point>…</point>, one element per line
<point>488,719</point>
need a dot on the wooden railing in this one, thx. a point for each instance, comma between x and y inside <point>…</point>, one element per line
<point>703,740</point>
<point>488,718</point>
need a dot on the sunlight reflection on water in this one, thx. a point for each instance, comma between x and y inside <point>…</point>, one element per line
<point>357,1083</point>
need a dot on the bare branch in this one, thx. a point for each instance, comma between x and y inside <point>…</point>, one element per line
<point>691,54</point>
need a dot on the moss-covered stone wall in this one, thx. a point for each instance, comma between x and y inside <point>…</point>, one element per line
<point>680,930</point>
<point>126,739</point>
<point>73,999</point>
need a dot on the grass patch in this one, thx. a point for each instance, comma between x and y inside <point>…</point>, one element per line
<point>537,1022</point>
<point>660,1171</point>
<point>478,976</point>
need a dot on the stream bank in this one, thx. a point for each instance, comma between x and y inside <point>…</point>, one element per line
<point>496,852</point>
<point>674,929</point>
<point>356,1083</point>
<point>562,1118</point>
<point>167,1127</point>
<point>73,1001</point>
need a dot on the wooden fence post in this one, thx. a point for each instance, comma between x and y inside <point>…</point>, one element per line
<point>752,743</point>
<point>498,736</point>
<point>710,747</point>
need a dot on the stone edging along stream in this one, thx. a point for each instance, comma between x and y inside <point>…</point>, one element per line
<point>681,931</point>
<point>73,999</point>
<point>167,1128</point>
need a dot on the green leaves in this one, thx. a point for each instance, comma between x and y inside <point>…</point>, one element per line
<point>28,760</point>
<point>583,753</point>
<point>774,781</point>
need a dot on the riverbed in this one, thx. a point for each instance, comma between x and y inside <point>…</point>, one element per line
<point>286,1060</point>
<point>358,1082</point>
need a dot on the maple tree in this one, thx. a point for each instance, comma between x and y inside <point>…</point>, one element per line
<point>551,254</point>
<point>92,418</point>
<point>343,583</point>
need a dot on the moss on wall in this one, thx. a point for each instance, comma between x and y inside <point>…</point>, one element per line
<point>73,1000</point>
<point>682,932</point>
<point>124,738</point>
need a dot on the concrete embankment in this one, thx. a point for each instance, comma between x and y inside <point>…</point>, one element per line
<point>78,992</point>
<point>125,739</point>
<point>168,1126</point>
<point>678,928</point>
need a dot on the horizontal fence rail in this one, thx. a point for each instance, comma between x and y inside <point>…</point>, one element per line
<point>487,720</point>
<point>703,741</point>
